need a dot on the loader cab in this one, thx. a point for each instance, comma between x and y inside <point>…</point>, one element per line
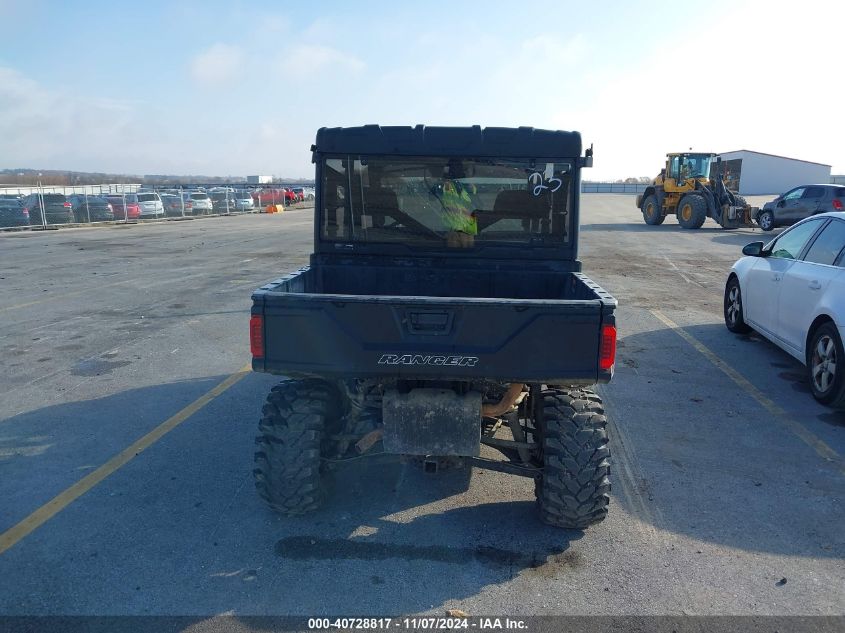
<point>682,169</point>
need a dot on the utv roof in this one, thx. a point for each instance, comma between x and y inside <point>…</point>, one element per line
<point>526,142</point>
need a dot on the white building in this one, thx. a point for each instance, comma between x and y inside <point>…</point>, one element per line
<point>259,180</point>
<point>759,173</point>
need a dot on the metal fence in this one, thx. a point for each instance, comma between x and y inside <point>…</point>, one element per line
<point>44,207</point>
<point>612,187</point>
<point>48,207</point>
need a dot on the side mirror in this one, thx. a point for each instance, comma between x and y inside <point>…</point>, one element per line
<point>755,249</point>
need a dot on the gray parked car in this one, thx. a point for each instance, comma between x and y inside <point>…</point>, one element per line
<point>799,203</point>
<point>55,208</point>
<point>244,201</point>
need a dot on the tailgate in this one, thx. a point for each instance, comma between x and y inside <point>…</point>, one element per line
<point>345,336</point>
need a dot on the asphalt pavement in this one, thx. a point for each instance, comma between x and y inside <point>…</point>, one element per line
<point>728,477</point>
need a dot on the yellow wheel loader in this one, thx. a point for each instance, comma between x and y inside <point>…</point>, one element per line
<point>686,189</point>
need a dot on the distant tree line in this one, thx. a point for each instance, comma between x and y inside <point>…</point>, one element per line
<point>57,178</point>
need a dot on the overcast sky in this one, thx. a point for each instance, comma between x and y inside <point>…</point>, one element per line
<point>237,88</point>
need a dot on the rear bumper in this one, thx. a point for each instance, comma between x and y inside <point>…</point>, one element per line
<point>6,222</point>
<point>121,215</point>
<point>428,338</point>
<point>95,216</point>
<point>65,217</point>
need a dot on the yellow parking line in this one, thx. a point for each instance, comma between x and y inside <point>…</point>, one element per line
<point>803,433</point>
<point>62,296</point>
<point>58,503</point>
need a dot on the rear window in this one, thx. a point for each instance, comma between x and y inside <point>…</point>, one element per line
<point>54,197</point>
<point>199,196</point>
<point>445,203</point>
<point>839,193</point>
<point>147,197</point>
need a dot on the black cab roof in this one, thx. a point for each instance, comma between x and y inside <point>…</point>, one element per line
<point>449,141</point>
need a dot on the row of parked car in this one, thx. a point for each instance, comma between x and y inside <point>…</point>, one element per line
<point>58,208</point>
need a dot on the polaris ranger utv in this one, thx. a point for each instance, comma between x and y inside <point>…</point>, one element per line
<point>442,308</point>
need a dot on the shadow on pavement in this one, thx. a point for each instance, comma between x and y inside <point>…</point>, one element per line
<point>712,463</point>
<point>669,226</point>
<point>180,530</point>
<point>741,239</point>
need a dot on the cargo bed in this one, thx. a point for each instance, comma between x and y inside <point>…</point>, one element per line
<point>434,322</point>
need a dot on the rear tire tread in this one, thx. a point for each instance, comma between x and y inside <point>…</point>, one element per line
<point>287,461</point>
<point>658,216</point>
<point>574,489</point>
<point>699,211</point>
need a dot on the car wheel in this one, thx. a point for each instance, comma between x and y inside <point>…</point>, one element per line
<point>733,308</point>
<point>826,366</point>
<point>766,220</point>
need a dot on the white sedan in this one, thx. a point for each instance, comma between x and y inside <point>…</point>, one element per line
<point>792,291</point>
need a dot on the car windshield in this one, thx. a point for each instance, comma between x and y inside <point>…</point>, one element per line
<point>434,201</point>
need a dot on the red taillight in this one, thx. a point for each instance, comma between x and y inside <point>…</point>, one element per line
<point>256,336</point>
<point>837,204</point>
<point>67,205</point>
<point>607,355</point>
<point>26,212</point>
